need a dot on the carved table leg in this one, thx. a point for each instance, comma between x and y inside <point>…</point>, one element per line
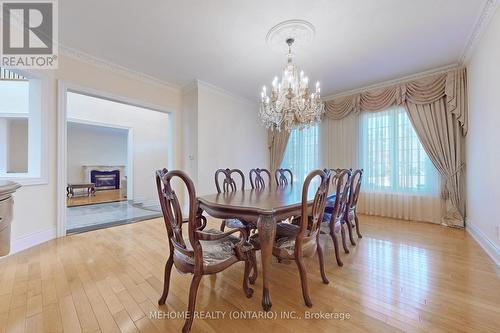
<point>267,231</point>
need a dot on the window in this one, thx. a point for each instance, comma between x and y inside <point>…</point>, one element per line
<point>20,126</point>
<point>302,152</point>
<point>392,155</point>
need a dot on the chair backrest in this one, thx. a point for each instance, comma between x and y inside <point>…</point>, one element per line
<point>341,183</point>
<point>354,188</point>
<point>229,183</point>
<point>256,179</point>
<point>312,215</point>
<point>335,171</point>
<point>172,215</point>
<point>281,178</point>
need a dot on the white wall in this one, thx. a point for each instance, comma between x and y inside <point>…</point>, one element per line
<point>483,140</point>
<point>94,145</point>
<point>150,136</point>
<point>230,135</point>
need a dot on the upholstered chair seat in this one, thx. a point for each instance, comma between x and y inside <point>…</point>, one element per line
<point>284,245</point>
<point>218,251</point>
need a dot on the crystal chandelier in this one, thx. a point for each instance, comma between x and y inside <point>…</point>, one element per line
<point>290,104</point>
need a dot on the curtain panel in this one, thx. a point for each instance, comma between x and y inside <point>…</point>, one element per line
<point>437,108</point>
<point>277,142</point>
<point>341,142</point>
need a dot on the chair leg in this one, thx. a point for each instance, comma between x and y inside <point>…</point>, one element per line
<point>166,281</point>
<point>357,225</point>
<point>336,247</point>
<point>322,264</point>
<point>248,265</point>
<point>253,277</point>
<point>303,281</point>
<point>349,229</point>
<point>342,233</point>
<point>223,225</point>
<point>192,302</point>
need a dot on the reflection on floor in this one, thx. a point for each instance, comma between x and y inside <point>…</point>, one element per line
<point>99,197</point>
<point>90,217</point>
<point>401,276</point>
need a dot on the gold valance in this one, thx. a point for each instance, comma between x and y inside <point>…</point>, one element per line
<point>451,85</point>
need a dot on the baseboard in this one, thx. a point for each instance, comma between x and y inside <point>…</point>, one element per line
<point>33,239</point>
<point>488,246</point>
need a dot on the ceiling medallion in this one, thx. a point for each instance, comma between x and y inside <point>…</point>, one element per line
<point>289,103</point>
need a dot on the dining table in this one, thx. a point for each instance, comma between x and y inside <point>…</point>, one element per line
<point>266,207</point>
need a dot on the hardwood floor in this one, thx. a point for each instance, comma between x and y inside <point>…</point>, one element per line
<point>402,276</point>
<point>99,197</point>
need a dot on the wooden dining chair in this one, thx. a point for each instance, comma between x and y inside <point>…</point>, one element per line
<point>298,242</point>
<point>333,222</point>
<point>352,202</point>
<point>199,252</point>
<point>229,185</point>
<point>256,179</point>
<point>280,175</point>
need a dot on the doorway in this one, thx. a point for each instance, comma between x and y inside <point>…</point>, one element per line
<point>111,149</point>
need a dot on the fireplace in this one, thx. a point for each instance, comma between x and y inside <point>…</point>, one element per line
<point>105,180</point>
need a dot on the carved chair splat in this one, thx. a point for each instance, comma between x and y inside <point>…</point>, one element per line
<point>280,175</point>
<point>256,179</point>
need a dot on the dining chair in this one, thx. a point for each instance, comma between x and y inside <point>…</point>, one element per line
<point>200,252</point>
<point>229,185</point>
<point>280,175</point>
<point>333,222</point>
<point>296,242</point>
<point>256,179</point>
<point>352,202</point>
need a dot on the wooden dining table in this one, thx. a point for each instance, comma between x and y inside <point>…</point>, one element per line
<point>267,206</point>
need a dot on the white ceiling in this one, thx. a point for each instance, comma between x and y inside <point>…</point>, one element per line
<point>357,43</point>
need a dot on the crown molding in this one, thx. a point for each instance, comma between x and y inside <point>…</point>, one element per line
<point>114,68</point>
<point>387,83</point>
<point>487,13</point>
<point>221,91</point>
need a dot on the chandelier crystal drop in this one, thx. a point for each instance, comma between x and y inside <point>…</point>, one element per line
<point>289,103</point>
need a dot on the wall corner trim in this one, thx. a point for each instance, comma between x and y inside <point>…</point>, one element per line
<point>36,238</point>
<point>488,246</point>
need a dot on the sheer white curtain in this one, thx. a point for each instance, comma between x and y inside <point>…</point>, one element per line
<point>302,152</point>
<point>399,180</point>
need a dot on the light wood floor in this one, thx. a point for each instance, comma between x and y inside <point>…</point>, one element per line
<point>402,276</point>
<point>99,197</point>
